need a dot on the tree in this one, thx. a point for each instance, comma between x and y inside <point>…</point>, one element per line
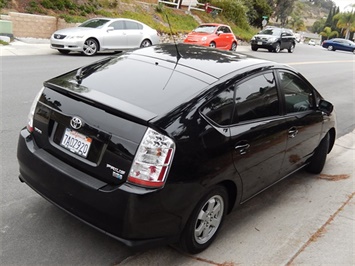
<point>328,33</point>
<point>346,21</point>
<point>256,10</point>
<point>283,10</point>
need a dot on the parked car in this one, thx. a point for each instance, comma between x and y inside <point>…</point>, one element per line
<point>164,161</point>
<point>213,35</point>
<point>339,44</point>
<point>312,42</point>
<point>100,34</point>
<point>274,39</point>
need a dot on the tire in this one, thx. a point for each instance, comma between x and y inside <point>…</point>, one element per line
<point>270,50</point>
<point>254,48</point>
<point>212,45</point>
<point>91,47</point>
<point>234,47</point>
<point>205,221</point>
<point>330,48</point>
<point>354,51</point>
<point>277,48</point>
<point>146,43</point>
<point>63,51</point>
<point>317,161</point>
<point>291,48</point>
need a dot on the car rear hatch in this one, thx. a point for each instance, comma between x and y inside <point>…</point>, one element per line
<point>93,119</point>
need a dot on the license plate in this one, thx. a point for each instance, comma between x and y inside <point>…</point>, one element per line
<point>260,43</point>
<point>76,142</point>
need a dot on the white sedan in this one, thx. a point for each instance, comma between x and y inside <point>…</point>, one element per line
<point>100,34</point>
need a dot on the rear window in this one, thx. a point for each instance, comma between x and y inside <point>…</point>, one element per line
<point>151,86</point>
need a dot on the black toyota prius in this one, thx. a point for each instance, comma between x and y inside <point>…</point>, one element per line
<point>155,146</point>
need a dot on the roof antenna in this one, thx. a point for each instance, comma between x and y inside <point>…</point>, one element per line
<point>178,55</point>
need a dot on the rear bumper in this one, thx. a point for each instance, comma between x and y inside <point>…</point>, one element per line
<point>135,216</point>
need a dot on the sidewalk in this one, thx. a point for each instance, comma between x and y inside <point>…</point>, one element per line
<point>31,46</point>
<point>27,46</point>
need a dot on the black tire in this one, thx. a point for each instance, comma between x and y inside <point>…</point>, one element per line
<point>254,48</point>
<point>270,50</point>
<point>277,48</point>
<point>317,161</point>
<point>91,47</point>
<point>354,51</point>
<point>146,43</point>
<point>234,46</point>
<point>291,48</point>
<point>212,45</point>
<point>205,221</point>
<point>63,51</point>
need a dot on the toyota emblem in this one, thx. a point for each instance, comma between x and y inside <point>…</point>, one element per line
<point>76,122</point>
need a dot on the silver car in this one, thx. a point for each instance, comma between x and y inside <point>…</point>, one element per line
<point>100,34</point>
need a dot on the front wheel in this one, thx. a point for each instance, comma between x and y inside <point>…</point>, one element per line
<point>212,45</point>
<point>234,47</point>
<point>330,48</point>
<point>277,48</point>
<point>205,221</point>
<point>91,47</point>
<point>317,161</point>
<point>291,48</point>
<point>146,43</point>
<point>254,48</point>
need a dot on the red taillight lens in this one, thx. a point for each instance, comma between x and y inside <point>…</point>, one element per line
<point>152,161</point>
<point>32,111</point>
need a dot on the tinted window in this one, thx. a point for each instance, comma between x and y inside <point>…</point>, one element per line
<point>94,23</point>
<point>130,25</point>
<point>220,108</point>
<point>298,96</point>
<point>117,25</point>
<point>256,98</point>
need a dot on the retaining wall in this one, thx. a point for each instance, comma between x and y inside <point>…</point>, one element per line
<point>35,26</point>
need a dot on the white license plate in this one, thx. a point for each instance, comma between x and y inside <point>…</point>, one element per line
<point>76,142</point>
<point>260,43</point>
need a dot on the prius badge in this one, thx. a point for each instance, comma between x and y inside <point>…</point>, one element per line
<point>76,122</point>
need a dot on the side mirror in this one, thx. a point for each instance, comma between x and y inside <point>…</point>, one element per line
<point>110,29</point>
<point>325,107</point>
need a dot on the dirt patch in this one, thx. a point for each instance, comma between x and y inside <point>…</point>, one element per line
<point>333,177</point>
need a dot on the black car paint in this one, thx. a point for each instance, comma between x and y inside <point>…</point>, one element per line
<point>285,40</point>
<point>205,151</point>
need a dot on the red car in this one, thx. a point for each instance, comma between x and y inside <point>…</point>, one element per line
<point>213,35</point>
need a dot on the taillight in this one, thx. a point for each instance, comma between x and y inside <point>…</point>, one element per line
<point>152,161</point>
<point>32,111</point>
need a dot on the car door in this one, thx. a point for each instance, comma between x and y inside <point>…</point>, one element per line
<point>135,34</point>
<point>302,117</point>
<point>116,37</point>
<point>222,39</point>
<point>258,133</point>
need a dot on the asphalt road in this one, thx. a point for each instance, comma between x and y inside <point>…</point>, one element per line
<point>277,222</point>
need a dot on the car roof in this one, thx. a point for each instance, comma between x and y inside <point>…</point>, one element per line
<point>212,62</point>
<point>213,24</point>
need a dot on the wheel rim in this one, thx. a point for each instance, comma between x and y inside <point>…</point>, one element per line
<point>292,48</point>
<point>213,45</point>
<point>330,48</point>
<point>90,47</point>
<point>209,219</point>
<point>277,48</point>
<point>146,43</point>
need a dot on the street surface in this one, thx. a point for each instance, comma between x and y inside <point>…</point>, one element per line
<point>305,219</point>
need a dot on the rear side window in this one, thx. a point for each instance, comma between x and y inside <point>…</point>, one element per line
<point>131,25</point>
<point>220,109</point>
<point>256,98</point>
<point>298,95</point>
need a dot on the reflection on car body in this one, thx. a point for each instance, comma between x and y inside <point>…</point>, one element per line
<point>169,158</point>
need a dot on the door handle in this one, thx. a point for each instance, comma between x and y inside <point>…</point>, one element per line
<point>292,132</point>
<point>242,148</point>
